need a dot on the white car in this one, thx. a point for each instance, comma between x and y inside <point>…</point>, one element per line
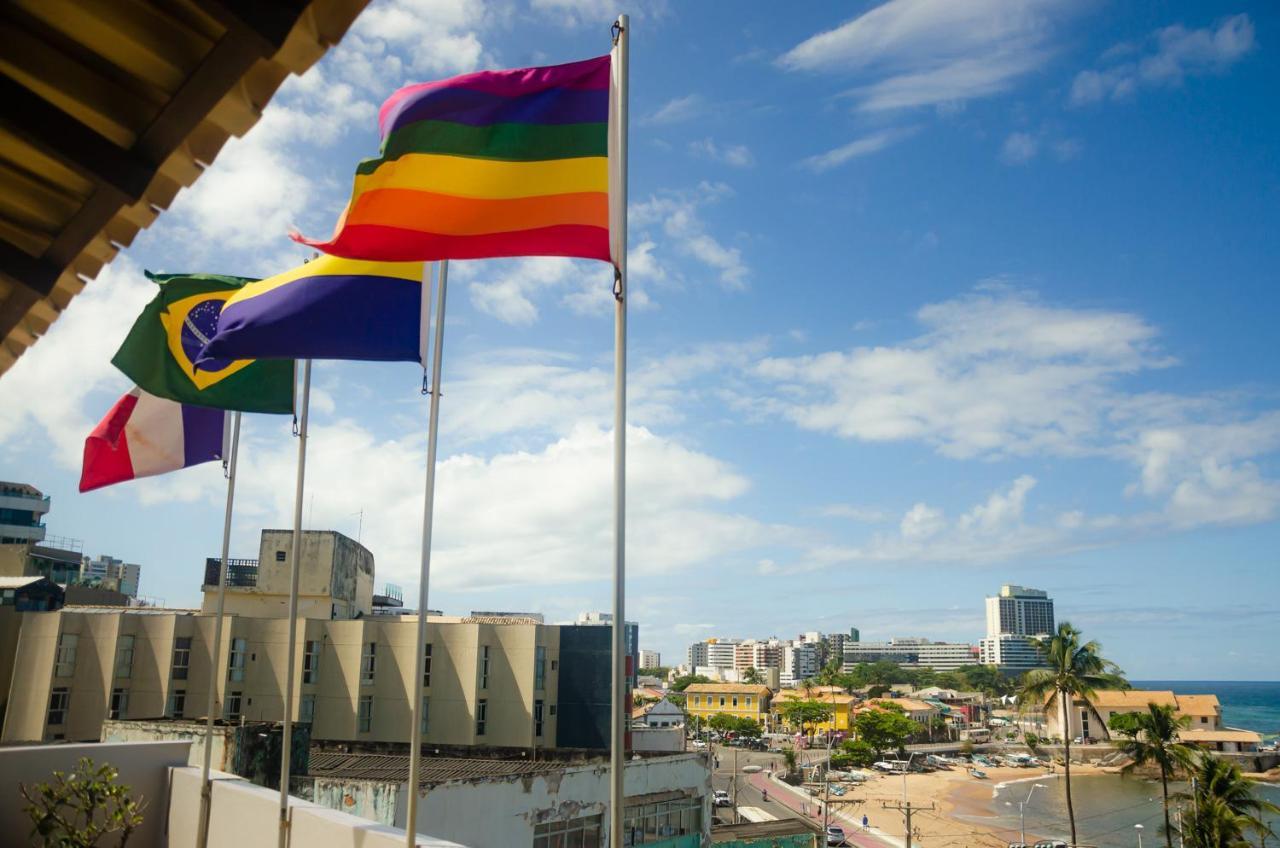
<point>835,835</point>
<point>720,798</point>
<point>699,744</point>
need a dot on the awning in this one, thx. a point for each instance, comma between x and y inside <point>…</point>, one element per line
<point>110,110</point>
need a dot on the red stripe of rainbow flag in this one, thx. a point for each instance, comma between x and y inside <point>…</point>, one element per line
<point>484,165</point>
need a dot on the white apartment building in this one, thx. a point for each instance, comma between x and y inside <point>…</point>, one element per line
<point>721,652</point>
<point>650,659</point>
<point>800,661</point>
<point>912,653</point>
<point>1010,652</point>
<point>757,654</point>
<point>1019,611</point>
<point>105,568</point>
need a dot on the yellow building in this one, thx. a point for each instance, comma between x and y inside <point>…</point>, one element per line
<point>840,702</point>
<point>744,700</point>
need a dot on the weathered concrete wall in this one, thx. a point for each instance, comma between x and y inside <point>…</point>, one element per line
<point>191,732</point>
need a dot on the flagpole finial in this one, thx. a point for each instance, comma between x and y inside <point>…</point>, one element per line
<point>616,31</point>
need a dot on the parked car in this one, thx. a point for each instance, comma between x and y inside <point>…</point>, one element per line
<point>720,798</point>
<point>835,835</point>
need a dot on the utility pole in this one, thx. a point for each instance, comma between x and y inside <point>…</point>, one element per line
<point>907,809</point>
<point>734,785</point>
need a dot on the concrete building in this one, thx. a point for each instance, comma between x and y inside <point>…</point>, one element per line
<point>757,654</point>
<point>1089,719</point>
<point>489,684</point>
<point>506,802</point>
<point>1012,654</point>
<point>650,659</point>
<point>31,594</point>
<point>631,639</point>
<point>113,573</point>
<point>722,653</point>
<point>1019,611</point>
<point>335,578</point>
<point>800,661</point>
<point>855,635</point>
<point>22,511</point>
<point>841,704</point>
<point>912,653</point>
<point>745,700</point>
<point>697,655</point>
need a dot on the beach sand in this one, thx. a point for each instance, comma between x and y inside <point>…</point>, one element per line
<point>961,814</point>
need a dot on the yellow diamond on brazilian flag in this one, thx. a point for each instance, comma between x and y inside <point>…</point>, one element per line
<point>160,351</point>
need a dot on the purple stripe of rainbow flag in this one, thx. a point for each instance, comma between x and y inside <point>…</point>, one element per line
<point>484,165</point>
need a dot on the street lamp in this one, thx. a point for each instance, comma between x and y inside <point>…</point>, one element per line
<point>1138,828</point>
<point>1022,810</point>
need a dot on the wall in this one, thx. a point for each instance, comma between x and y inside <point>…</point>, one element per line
<point>503,811</point>
<point>191,733</point>
<point>663,739</point>
<point>247,816</point>
<point>142,767</point>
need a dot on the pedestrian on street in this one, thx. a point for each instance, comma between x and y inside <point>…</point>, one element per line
<point>866,825</point>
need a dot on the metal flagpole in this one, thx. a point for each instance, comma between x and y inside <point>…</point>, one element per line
<point>286,735</point>
<point>415,729</point>
<point>618,236</point>
<point>206,786</point>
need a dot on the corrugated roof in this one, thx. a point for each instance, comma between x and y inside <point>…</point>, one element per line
<point>111,109</point>
<point>394,768</point>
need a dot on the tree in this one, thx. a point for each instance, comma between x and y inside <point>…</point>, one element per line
<point>739,725</point>
<point>75,810</point>
<point>883,727</point>
<point>658,671</point>
<point>804,713</point>
<point>854,752</point>
<point>1152,737</point>
<point>1074,670</point>
<point>1223,807</point>
<point>751,675</point>
<point>684,681</point>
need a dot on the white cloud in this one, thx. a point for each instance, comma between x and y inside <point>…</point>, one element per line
<point>49,386</point>
<point>855,512</point>
<point>932,52</point>
<point>865,146</point>
<point>508,290</point>
<point>678,110</point>
<point>1019,148</point>
<point>735,155</point>
<point>1177,53</point>
<point>442,36</point>
<point>676,215</point>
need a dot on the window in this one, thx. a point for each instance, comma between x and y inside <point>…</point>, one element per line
<point>426,714</point>
<point>578,833</point>
<point>722,700</point>
<point>748,700</point>
<point>311,662</point>
<point>119,703</point>
<point>279,556</point>
<point>124,656</point>
<point>537,719</point>
<point>552,709</point>
<point>364,718</point>
<point>735,700</point>
<point>59,703</point>
<point>555,664</point>
<point>484,666</point>
<point>368,663</point>
<point>232,711</point>
<point>426,665</point>
<point>482,716</point>
<point>307,709</point>
<point>235,667</point>
<point>177,703</point>
<point>644,823</point>
<point>65,661</point>
<point>539,668</point>
<point>181,657</point>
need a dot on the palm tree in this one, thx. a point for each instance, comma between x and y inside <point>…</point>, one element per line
<point>1223,805</point>
<point>1074,670</point>
<point>1154,739</point>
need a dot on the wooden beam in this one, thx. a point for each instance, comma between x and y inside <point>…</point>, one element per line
<point>268,22</point>
<point>96,157</point>
<point>37,276</point>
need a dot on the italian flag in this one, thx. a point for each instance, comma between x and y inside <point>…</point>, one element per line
<point>144,435</point>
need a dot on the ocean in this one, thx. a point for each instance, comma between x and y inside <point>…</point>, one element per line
<point>1245,704</point>
<point>1108,806</point>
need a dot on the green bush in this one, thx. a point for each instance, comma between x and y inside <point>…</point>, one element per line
<point>75,810</point>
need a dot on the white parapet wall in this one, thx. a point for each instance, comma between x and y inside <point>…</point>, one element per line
<point>143,767</point>
<point>247,816</point>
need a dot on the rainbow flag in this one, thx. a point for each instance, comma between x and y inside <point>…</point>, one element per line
<point>484,165</point>
<point>329,308</point>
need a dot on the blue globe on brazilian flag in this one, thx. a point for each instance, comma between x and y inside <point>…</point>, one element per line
<point>160,351</point>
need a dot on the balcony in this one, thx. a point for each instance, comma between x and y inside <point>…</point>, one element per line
<point>242,573</point>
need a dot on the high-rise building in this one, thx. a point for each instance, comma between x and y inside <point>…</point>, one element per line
<point>696,655</point>
<point>912,653</point>
<point>22,508</point>
<point>1011,653</point>
<point>721,652</point>
<point>650,659</point>
<point>1019,611</point>
<point>855,634</point>
<point>124,576</point>
<point>800,661</point>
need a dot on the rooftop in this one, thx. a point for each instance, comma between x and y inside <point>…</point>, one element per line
<point>394,768</point>
<point>729,688</point>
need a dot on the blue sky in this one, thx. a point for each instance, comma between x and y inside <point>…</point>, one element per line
<point>927,297</point>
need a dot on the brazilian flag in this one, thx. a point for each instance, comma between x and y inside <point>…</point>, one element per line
<point>160,351</point>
